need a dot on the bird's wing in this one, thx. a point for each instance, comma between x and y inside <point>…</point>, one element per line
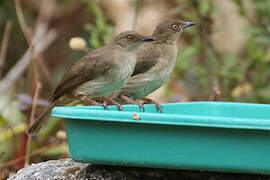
<point>89,67</point>
<point>147,57</point>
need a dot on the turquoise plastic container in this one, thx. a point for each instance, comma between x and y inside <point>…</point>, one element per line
<point>212,136</point>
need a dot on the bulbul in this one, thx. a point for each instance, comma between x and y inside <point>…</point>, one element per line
<point>155,63</point>
<point>97,74</point>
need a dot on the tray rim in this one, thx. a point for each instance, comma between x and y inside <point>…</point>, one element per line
<point>94,113</point>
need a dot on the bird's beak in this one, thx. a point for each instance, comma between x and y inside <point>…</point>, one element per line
<point>188,24</point>
<point>147,39</point>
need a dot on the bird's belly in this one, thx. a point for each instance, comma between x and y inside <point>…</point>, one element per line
<point>147,85</point>
<point>105,85</point>
<point>152,86</point>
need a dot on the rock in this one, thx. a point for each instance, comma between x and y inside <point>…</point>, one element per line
<point>98,172</point>
<point>70,170</point>
<point>50,170</point>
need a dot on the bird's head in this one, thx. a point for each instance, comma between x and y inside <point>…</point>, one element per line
<point>170,30</point>
<point>131,40</point>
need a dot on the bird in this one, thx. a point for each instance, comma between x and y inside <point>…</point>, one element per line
<point>155,63</point>
<point>96,75</point>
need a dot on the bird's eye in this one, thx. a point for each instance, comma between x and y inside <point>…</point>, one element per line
<point>130,37</point>
<point>175,27</point>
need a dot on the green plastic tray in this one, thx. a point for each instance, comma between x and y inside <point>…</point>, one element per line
<point>213,136</point>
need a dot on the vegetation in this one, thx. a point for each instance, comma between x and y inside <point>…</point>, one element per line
<point>241,76</point>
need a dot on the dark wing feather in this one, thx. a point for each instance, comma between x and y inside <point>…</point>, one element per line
<point>147,57</point>
<point>89,67</point>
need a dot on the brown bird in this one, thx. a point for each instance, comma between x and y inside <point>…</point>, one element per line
<point>97,74</point>
<point>155,63</point>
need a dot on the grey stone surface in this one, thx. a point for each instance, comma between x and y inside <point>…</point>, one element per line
<point>52,170</point>
<point>95,172</point>
<point>66,169</point>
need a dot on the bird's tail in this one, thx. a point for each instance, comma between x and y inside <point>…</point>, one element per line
<point>36,126</point>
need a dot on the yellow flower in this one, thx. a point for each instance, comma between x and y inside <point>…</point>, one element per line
<point>242,89</point>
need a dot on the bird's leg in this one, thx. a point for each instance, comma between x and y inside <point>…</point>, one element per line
<point>113,103</point>
<point>151,101</point>
<point>131,101</point>
<point>95,103</point>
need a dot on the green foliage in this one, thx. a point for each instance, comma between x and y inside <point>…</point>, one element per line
<point>66,1</point>
<point>101,32</point>
<point>3,121</point>
<point>241,8</point>
<point>242,76</point>
<point>58,150</point>
<point>205,7</point>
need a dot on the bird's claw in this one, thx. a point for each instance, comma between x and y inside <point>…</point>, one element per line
<point>112,102</point>
<point>140,104</point>
<point>95,103</point>
<point>105,106</point>
<point>131,101</point>
<point>151,101</point>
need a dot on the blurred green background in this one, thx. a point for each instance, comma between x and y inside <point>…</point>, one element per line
<point>225,57</point>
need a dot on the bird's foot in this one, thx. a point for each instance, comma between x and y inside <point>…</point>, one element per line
<point>113,102</point>
<point>151,101</point>
<point>131,101</point>
<point>95,103</point>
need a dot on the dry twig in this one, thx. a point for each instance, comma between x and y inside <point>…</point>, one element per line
<point>32,116</point>
<point>23,25</point>
<point>44,17</point>
<point>27,36</point>
<point>41,41</point>
<point>4,46</point>
<point>37,83</point>
<point>45,14</point>
<point>38,151</point>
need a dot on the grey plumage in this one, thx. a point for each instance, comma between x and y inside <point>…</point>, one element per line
<point>155,61</point>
